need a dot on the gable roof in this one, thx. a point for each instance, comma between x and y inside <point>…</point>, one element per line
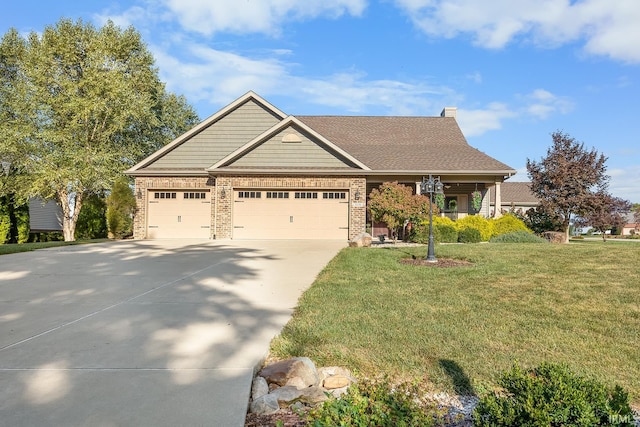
<point>295,127</point>
<point>241,137</point>
<point>211,140</point>
<point>401,144</point>
<point>515,192</point>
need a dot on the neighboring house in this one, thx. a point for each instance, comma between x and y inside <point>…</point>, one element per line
<point>515,196</point>
<point>251,171</point>
<point>631,227</point>
<point>44,216</point>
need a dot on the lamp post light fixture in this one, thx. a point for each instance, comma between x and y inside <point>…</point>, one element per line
<point>431,186</point>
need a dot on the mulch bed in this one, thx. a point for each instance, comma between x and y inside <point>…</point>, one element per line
<point>440,262</point>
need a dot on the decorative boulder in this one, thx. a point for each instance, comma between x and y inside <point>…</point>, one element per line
<point>265,405</point>
<point>362,240</point>
<point>259,388</point>
<point>554,236</point>
<point>281,372</point>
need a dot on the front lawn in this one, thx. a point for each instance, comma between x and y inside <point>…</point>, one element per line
<point>27,247</point>
<point>457,328</point>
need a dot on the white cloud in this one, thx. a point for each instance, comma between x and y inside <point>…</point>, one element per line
<point>542,104</point>
<point>235,74</point>
<point>608,28</point>
<point>478,121</point>
<point>254,16</point>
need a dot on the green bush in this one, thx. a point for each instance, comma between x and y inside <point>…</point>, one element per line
<point>518,237</point>
<point>443,233</point>
<point>551,395</point>
<point>121,205</point>
<point>92,222</point>
<point>469,235</point>
<point>480,223</point>
<point>374,403</point>
<point>508,224</point>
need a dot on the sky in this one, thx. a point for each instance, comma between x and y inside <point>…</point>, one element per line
<point>517,70</point>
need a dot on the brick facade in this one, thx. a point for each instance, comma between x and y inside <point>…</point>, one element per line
<point>222,196</point>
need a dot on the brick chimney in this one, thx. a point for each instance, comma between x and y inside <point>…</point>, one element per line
<point>449,112</point>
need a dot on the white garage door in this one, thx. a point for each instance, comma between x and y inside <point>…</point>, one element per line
<point>277,214</point>
<point>178,214</point>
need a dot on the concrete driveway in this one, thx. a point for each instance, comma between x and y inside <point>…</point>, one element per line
<point>144,333</point>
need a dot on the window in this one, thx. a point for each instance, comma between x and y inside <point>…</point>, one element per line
<point>249,194</point>
<point>277,194</point>
<point>334,195</point>
<point>164,195</point>
<point>306,195</point>
<point>195,195</point>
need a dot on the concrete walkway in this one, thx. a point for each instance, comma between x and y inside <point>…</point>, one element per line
<point>144,333</point>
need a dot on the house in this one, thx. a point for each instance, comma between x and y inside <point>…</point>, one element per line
<point>44,216</point>
<point>631,226</point>
<point>515,196</point>
<point>250,171</point>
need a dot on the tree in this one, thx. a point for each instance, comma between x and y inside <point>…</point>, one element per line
<point>85,104</point>
<point>605,213</point>
<point>567,178</point>
<point>395,203</point>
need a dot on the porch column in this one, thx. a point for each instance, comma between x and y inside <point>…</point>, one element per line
<point>497,211</point>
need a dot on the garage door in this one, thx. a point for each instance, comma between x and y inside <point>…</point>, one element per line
<point>178,214</point>
<point>276,214</point>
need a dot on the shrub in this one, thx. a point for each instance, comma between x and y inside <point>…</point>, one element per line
<point>480,223</point>
<point>469,235</point>
<point>507,224</point>
<point>444,231</point>
<point>92,222</point>
<point>374,403</point>
<point>551,395</point>
<point>518,237</point>
<point>121,205</point>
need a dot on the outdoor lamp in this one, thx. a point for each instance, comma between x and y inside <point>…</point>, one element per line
<point>430,186</point>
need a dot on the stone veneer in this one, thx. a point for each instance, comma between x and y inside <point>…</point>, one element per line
<point>222,196</point>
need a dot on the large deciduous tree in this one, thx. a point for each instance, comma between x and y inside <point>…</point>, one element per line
<point>567,179</point>
<point>395,203</point>
<point>84,104</point>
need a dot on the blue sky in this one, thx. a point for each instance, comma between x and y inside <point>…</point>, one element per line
<point>517,70</point>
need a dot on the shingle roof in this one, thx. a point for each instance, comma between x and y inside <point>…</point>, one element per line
<point>404,143</point>
<point>515,192</point>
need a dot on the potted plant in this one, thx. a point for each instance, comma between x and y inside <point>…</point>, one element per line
<point>476,200</point>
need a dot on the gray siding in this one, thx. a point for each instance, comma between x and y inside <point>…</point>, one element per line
<point>220,139</point>
<point>304,154</point>
<point>44,216</point>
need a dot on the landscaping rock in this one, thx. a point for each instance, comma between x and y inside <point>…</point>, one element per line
<point>280,372</point>
<point>554,236</point>
<point>259,388</point>
<point>297,383</point>
<point>362,240</point>
<point>336,381</point>
<point>264,405</point>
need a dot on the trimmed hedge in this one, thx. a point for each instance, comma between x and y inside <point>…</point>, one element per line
<point>477,222</point>
<point>469,235</point>
<point>508,224</point>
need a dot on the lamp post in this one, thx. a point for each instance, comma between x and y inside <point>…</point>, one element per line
<point>430,186</point>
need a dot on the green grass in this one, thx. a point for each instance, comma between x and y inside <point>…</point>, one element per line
<point>458,328</point>
<point>26,247</point>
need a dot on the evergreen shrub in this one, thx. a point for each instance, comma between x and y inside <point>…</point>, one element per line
<point>552,395</point>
